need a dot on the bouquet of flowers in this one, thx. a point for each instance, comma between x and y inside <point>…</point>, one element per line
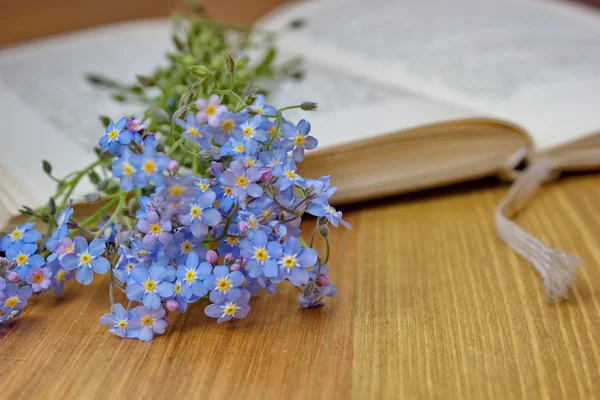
<point>199,200</point>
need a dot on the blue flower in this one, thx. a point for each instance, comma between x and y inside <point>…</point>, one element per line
<point>192,275</point>
<point>242,181</point>
<point>191,128</point>
<point>24,255</point>
<point>21,234</point>
<point>124,267</point>
<point>149,285</point>
<point>224,284</point>
<point>109,233</point>
<point>297,139</point>
<point>149,167</point>
<point>270,160</point>
<point>59,275</point>
<point>251,133</point>
<point>183,244</point>
<point>200,214</point>
<point>321,208</point>
<point>116,136</point>
<point>321,186</point>
<point>229,126</point>
<point>61,227</point>
<point>294,262</point>
<point>232,148</point>
<point>286,173</point>
<point>262,255</point>
<point>174,188</point>
<point>260,107</point>
<point>148,322</point>
<point>86,259</point>
<point>123,169</point>
<point>13,298</point>
<point>228,310</point>
<point>119,320</point>
<point>316,299</point>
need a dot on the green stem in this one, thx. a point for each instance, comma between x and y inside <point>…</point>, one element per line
<point>115,214</point>
<point>177,143</point>
<point>98,213</point>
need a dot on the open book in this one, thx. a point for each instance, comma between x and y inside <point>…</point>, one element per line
<point>412,93</point>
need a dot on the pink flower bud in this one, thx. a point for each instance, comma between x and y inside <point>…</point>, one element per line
<point>242,227</point>
<point>243,260</point>
<point>172,305</point>
<point>212,256</point>
<point>173,165</point>
<point>323,280</point>
<point>13,277</point>
<point>146,134</point>
<point>266,174</point>
<point>236,267</point>
<point>229,258</point>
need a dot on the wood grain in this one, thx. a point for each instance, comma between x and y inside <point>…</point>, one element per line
<point>431,305</point>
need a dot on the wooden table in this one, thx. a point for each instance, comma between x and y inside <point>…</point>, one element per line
<point>431,305</point>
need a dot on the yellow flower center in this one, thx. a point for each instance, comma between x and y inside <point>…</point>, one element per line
<point>149,166</point>
<point>22,259</point>
<point>122,324</point>
<point>69,249</point>
<point>242,181</point>
<point>178,288</point>
<point>129,266</point>
<point>232,241</point>
<point>112,135</point>
<point>155,229</point>
<point>261,254</point>
<point>11,301</point>
<point>272,131</point>
<point>247,131</point>
<point>319,298</point>
<point>227,125</point>
<point>38,277</point>
<point>290,174</point>
<point>239,148</point>
<point>60,275</point>
<point>146,320</point>
<point>229,309</point>
<point>150,285</point>
<point>250,163</point>
<point>210,110</point>
<point>195,212</point>
<point>330,210</point>
<point>190,275</point>
<point>289,261</point>
<point>143,252</point>
<point>203,186</point>
<point>176,190</point>
<point>227,190</point>
<point>193,132</point>
<point>258,110</point>
<point>267,212</point>
<point>16,234</point>
<point>128,169</point>
<point>251,224</point>
<point>299,140</point>
<point>186,247</point>
<point>223,284</point>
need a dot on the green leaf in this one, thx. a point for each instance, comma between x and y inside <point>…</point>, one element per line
<point>47,167</point>
<point>105,120</point>
<point>94,177</point>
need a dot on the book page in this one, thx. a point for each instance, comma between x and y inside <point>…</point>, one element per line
<point>532,62</point>
<point>353,107</point>
<point>49,111</point>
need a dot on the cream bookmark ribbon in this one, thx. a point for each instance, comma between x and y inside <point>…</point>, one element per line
<point>556,267</point>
